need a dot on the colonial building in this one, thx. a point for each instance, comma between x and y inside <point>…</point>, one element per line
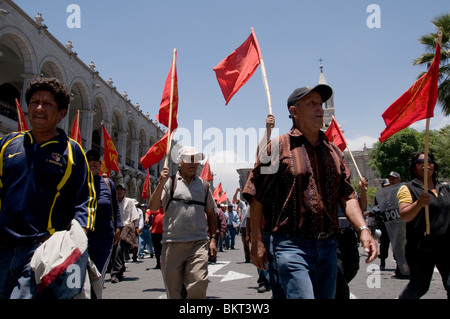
<point>361,158</point>
<point>28,50</point>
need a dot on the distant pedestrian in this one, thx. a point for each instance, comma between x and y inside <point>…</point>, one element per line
<point>129,216</point>
<point>108,220</point>
<point>232,225</point>
<point>157,229</point>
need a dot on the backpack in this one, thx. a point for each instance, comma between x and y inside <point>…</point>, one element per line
<point>188,202</point>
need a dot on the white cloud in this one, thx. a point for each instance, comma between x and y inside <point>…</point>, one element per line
<point>224,165</point>
<point>357,144</point>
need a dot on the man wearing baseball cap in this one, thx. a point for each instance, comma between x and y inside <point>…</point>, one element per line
<point>186,198</point>
<point>299,202</point>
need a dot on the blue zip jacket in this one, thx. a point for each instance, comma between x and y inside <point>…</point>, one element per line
<point>43,187</point>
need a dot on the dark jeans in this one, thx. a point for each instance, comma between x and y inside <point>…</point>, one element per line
<point>16,277</point>
<point>157,246</point>
<point>307,267</point>
<point>347,262</point>
<point>421,267</point>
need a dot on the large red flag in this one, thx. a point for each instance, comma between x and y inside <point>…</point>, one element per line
<point>415,104</point>
<point>334,135</point>
<point>206,172</point>
<point>237,68</point>
<point>146,188</point>
<point>21,123</point>
<point>164,108</point>
<point>110,155</point>
<point>76,133</point>
<point>155,153</point>
<point>217,192</point>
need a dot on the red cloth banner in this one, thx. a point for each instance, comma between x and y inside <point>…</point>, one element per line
<point>237,68</point>
<point>21,123</point>
<point>334,135</point>
<point>110,155</point>
<point>76,133</point>
<point>206,172</point>
<point>146,188</point>
<point>415,104</point>
<point>164,108</point>
<point>156,153</point>
<point>217,192</point>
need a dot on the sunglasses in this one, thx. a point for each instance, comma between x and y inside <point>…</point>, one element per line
<point>422,160</point>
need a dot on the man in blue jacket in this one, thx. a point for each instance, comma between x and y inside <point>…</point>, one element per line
<point>45,183</point>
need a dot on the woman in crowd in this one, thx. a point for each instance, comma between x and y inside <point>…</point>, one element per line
<point>425,251</point>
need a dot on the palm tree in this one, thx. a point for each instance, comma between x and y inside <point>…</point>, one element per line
<point>442,23</point>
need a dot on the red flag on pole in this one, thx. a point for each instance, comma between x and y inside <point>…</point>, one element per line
<point>146,188</point>
<point>415,104</point>
<point>21,123</point>
<point>164,108</point>
<point>110,155</point>
<point>237,68</point>
<point>223,198</point>
<point>156,153</point>
<point>206,172</point>
<point>217,192</point>
<point>334,135</point>
<point>76,134</point>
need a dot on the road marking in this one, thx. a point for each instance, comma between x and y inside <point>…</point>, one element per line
<point>214,268</point>
<point>231,275</point>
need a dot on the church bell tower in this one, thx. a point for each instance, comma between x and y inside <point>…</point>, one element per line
<point>329,105</point>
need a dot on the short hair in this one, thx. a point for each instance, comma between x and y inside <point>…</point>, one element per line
<point>52,85</point>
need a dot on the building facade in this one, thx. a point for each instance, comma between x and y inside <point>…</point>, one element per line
<point>28,50</point>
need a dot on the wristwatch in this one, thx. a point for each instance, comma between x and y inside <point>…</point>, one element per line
<point>361,229</point>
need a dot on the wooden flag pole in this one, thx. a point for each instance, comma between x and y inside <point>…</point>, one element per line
<point>169,138</point>
<point>350,152</point>
<point>425,175</point>
<point>425,158</point>
<point>264,74</point>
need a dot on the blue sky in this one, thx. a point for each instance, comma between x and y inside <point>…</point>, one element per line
<point>369,68</point>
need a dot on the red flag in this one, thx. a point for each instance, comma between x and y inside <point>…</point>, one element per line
<point>206,172</point>
<point>155,153</point>
<point>76,134</point>
<point>146,188</point>
<point>237,68</point>
<point>217,192</point>
<point>22,124</point>
<point>164,108</point>
<point>334,135</point>
<point>110,155</point>
<point>223,198</point>
<point>415,104</point>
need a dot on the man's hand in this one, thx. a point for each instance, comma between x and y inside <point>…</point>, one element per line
<point>212,248</point>
<point>258,254</point>
<point>369,245</point>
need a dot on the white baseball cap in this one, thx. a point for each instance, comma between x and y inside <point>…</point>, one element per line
<point>186,153</point>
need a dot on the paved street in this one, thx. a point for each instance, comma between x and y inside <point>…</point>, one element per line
<point>232,278</point>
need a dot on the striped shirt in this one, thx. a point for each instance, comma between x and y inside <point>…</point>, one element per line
<point>302,195</point>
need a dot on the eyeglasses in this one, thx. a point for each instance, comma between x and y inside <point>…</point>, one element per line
<point>422,160</point>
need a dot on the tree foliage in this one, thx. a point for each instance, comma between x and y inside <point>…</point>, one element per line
<point>442,23</point>
<point>395,153</point>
